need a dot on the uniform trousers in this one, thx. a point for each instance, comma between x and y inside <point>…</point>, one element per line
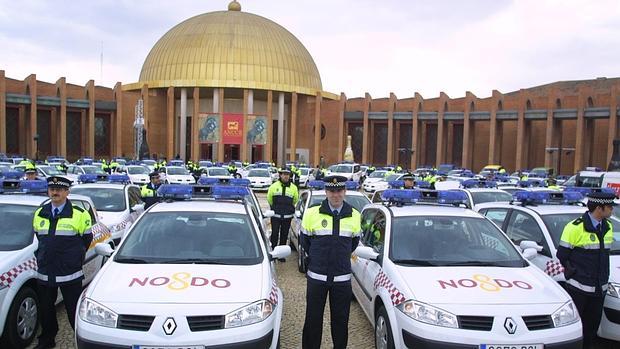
<point>279,230</point>
<point>70,295</point>
<point>590,308</point>
<point>340,295</point>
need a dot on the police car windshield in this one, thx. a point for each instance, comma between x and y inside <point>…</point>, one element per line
<point>176,171</point>
<point>357,201</point>
<point>450,241</point>
<point>259,173</point>
<point>392,177</point>
<point>343,169</point>
<point>217,172</point>
<point>555,224</point>
<point>377,174</point>
<point>16,223</point>
<point>135,170</point>
<point>105,199</point>
<point>192,237</point>
<point>93,170</point>
<point>50,171</point>
<point>494,196</point>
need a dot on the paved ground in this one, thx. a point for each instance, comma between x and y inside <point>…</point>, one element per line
<point>293,286</point>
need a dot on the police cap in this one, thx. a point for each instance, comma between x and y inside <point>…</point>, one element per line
<point>154,174</point>
<point>602,198</point>
<point>407,176</point>
<point>334,182</point>
<point>31,170</point>
<point>58,182</point>
<point>284,171</point>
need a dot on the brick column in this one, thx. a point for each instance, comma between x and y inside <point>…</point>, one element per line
<point>23,129</point>
<point>268,146</point>
<point>580,130</point>
<point>317,128</point>
<point>31,81</point>
<point>118,117</point>
<point>220,146</point>
<point>551,132</point>
<point>519,158</point>
<point>61,85</point>
<point>2,112</point>
<point>170,116</point>
<point>415,131</point>
<point>493,136</point>
<point>293,146</point>
<point>342,133</point>
<point>195,145</point>
<point>443,98</point>
<point>613,121</point>
<point>467,144</point>
<point>365,129</point>
<point>90,88</point>
<point>390,131</point>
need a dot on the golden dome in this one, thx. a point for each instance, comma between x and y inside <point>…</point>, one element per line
<point>230,49</point>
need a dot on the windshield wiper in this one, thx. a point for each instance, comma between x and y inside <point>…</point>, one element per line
<point>414,262</point>
<point>194,261</point>
<point>131,260</point>
<point>480,264</point>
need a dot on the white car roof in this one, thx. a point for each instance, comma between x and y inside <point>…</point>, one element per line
<point>200,206</point>
<point>431,210</point>
<point>23,199</point>
<point>349,192</point>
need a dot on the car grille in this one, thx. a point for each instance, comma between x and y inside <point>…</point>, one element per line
<point>476,323</point>
<point>205,323</point>
<point>538,322</point>
<point>135,322</point>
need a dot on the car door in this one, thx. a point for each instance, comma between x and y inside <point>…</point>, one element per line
<point>92,261</point>
<point>523,226</point>
<point>360,265</point>
<point>296,222</point>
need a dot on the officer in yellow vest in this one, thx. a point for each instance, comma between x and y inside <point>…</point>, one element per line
<point>64,234</point>
<point>149,190</point>
<point>584,253</point>
<point>282,197</point>
<point>330,233</point>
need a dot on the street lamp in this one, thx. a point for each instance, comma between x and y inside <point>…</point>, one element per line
<point>36,143</point>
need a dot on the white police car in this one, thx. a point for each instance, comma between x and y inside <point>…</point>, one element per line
<point>481,191</point>
<point>118,205</point>
<point>352,171</point>
<point>18,268</point>
<point>75,172</point>
<point>217,172</point>
<point>446,277</point>
<point>375,176</point>
<point>138,174</point>
<point>535,222</point>
<point>260,178</point>
<point>381,184</point>
<point>178,175</point>
<point>314,197</point>
<point>189,274</point>
<point>307,175</point>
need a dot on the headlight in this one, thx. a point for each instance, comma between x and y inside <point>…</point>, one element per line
<point>613,290</point>
<point>95,313</point>
<point>566,315</point>
<point>428,314</point>
<point>250,314</point>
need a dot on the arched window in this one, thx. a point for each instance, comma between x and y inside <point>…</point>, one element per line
<point>471,106</point>
<point>590,102</point>
<point>528,105</point>
<point>500,105</point>
<point>420,106</point>
<point>445,106</point>
<point>558,103</point>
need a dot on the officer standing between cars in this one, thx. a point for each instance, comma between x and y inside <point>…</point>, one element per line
<point>282,197</point>
<point>149,190</point>
<point>64,234</point>
<point>408,181</point>
<point>584,253</point>
<point>330,233</point>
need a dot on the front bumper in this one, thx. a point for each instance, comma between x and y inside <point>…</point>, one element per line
<point>413,341</point>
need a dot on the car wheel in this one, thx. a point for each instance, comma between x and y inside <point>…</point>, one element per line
<point>383,332</point>
<point>301,260</point>
<point>22,320</point>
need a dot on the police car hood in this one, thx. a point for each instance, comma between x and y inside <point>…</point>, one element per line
<point>110,218</point>
<point>481,285</point>
<point>614,268</point>
<point>178,283</point>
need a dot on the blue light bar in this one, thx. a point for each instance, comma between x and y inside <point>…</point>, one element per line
<point>423,184</point>
<point>474,183</point>
<point>175,191</point>
<point>396,184</point>
<point>35,186</point>
<point>208,181</point>
<point>243,182</point>
<point>351,185</point>
<point>230,192</point>
<point>452,197</point>
<point>585,191</point>
<point>317,185</point>
<point>537,197</point>
<point>88,178</point>
<point>531,183</point>
<point>401,195</point>
<point>13,175</point>
<point>118,178</point>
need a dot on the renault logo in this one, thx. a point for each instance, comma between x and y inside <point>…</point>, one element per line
<point>510,325</point>
<point>169,326</point>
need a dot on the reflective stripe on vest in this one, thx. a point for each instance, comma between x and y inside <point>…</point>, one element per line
<point>583,287</point>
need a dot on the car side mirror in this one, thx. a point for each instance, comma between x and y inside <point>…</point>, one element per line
<point>279,252</point>
<point>530,253</point>
<point>269,213</point>
<point>366,253</point>
<point>527,244</point>
<point>298,214</point>
<point>104,249</point>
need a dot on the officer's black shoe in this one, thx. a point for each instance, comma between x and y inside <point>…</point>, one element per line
<point>282,260</point>
<point>45,344</point>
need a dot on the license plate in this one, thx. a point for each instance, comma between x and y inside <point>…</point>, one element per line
<point>512,346</point>
<point>168,347</point>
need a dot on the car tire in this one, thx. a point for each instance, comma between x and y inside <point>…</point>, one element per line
<point>301,261</point>
<point>383,331</point>
<point>24,310</point>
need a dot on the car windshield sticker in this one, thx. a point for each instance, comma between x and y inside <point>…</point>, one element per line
<point>178,282</point>
<point>485,283</point>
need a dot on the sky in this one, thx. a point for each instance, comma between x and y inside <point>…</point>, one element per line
<point>374,46</point>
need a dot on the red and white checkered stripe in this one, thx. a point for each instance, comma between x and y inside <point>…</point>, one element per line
<point>273,295</point>
<point>100,233</point>
<point>554,267</point>
<point>7,278</point>
<point>383,281</point>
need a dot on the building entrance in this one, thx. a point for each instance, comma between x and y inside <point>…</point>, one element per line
<point>231,152</point>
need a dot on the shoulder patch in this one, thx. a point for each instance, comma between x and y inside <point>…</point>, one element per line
<point>578,221</point>
<point>78,208</point>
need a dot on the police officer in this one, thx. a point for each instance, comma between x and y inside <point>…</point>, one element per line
<point>282,197</point>
<point>408,180</point>
<point>330,232</point>
<point>64,234</point>
<point>149,190</point>
<point>584,254</point>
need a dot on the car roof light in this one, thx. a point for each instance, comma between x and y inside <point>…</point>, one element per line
<point>87,178</point>
<point>396,184</point>
<point>351,185</point>
<point>423,184</point>
<point>452,197</point>
<point>208,181</point>
<point>36,186</point>
<point>242,182</point>
<point>401,195</point>
<point>175,191</point>
<point>13,175</point>
<point>230,192</point>
<point>118,178</point>
<point>586,190</point>
<point>317,185</point>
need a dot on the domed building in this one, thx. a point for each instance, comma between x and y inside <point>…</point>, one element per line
<point>229,85</point>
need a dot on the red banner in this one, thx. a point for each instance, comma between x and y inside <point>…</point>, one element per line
<point>232,129</point>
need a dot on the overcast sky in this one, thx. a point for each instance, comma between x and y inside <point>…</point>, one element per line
<point>375,46</point>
